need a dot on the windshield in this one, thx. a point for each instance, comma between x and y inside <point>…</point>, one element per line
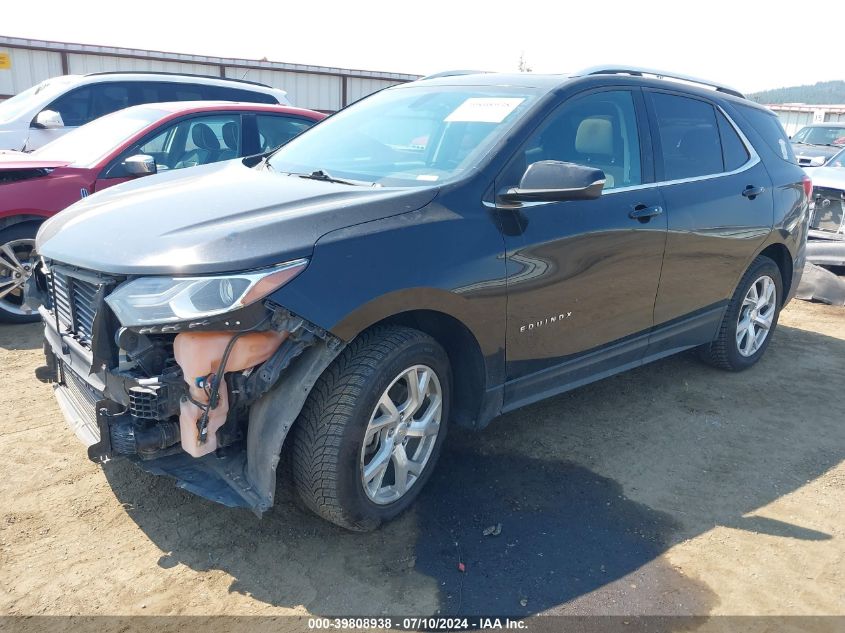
<point>86,145</point>
<point>11,109</point>
<point>414,135</point>
<point>838,160</point>
<point>821,135</point>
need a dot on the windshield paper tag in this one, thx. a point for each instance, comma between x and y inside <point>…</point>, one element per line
<point>484,109</point>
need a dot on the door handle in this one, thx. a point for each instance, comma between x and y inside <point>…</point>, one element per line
<point>644,213</point>
<point>752,192</point>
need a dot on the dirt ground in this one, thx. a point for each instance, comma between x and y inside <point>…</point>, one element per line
<point>672,489</point>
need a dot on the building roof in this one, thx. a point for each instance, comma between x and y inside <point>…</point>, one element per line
<point>66,47</point>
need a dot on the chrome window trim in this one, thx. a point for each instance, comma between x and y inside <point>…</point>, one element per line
<point>753,159</point>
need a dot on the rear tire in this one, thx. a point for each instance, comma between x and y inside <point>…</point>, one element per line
<point>17,242</point>
<point>367,440</point>
<point>750,319</point>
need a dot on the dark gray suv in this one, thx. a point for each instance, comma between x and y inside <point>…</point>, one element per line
<point>438,253</point>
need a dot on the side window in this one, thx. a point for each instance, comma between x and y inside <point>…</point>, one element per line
<point>599,130</point>
<point>769,127</point>
<point>173,91</point>
<point>689,137</point>
<point>157,145</point>
<point>211,139</point>
<point>74,107</point>
<point>108,98</point>
<point>188,143</point>
<point>274,131</point>
<point>150,92</point>
<point>734,153</point>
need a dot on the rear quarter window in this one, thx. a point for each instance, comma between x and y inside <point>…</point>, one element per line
<point>768,126</point>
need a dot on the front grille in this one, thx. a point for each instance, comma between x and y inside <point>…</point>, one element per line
<point>75,303</point>
<point>83,395</point>
<point>828,209</point>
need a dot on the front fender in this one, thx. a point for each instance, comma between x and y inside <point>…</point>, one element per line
<point>436,259</point>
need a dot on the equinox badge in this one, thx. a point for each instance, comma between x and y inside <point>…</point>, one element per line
<point>547,321</point>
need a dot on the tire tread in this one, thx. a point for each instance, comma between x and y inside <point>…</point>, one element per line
<point>319,431</point>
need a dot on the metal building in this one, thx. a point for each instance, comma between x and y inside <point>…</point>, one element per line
<point>794,116</point>
<point>24,63</point>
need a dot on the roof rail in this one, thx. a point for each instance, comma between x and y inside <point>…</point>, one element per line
<point>452,73</point>
<point>162,72</point>
<point>659,74</point>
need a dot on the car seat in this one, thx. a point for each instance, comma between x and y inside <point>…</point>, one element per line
<point>595,146</point>
<point>207,148</point>
<point>231,138</point>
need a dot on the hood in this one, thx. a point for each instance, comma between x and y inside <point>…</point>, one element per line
<point>803,150</point>
<point>22,160</point>
<point>828,177</point>
<point>12,137</point>
<point>216,218</point>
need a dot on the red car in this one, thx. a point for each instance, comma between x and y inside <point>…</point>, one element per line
<point>128,144</point>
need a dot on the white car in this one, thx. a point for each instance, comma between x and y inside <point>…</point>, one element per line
<point>826,239</point>
<point>46,111</point>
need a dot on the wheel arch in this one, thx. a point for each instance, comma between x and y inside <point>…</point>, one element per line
<point>780,254</point>
<point>464,353</point>
<point>20,218</point>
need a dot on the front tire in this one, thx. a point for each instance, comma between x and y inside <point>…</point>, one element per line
<point>750,319</point>
<point>17,243</point>
<point>371,430</point>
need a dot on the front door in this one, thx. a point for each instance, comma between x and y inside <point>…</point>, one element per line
<point>583,275</point>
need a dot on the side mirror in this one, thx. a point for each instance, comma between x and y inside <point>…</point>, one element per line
<point>556,181</point>
<point>48,120</point>
<point>140,165</point>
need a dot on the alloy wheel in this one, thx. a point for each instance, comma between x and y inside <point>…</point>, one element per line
<point>15,269</point>
<point>401,434</point>
<point>756,315</point>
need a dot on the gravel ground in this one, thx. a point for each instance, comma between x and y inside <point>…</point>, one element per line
<point>672,489</point>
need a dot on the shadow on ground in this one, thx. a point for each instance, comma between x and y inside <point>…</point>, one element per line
<point>22,336</point>
<point>696,447</point>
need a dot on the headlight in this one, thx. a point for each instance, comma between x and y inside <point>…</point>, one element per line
<point>154,300</point>
<point>817,161</point>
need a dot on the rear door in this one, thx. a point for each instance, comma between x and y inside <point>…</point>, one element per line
<point>718,199</point>
<point>583,274</point>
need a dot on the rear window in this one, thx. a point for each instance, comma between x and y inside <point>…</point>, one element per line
<point>768,126</point>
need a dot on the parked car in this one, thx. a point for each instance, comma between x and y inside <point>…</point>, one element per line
<point>52,108</point>
<point>122,146</point>
<point>814,144</point>
<point>438,253</point>
<point>826,240</point>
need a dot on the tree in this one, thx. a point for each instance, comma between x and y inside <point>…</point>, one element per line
<point>523,65</point>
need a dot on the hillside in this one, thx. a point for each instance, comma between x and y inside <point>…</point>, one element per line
<point>821,93</point>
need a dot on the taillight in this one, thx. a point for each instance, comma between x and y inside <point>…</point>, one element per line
<point>808,187</point>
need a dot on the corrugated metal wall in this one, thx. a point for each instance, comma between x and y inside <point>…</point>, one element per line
<point>357,88</point>
<point>794,121</point>
<point>795,116</point>
<point>319,92</point>
<point>315,87</point>
<point>28,68</point>
<point>81,64</point>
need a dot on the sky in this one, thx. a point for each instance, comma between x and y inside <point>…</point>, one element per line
<point>747,44</point>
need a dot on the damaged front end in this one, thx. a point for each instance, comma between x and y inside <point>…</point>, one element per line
<point>198,378</point>
<point>826,239</point>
